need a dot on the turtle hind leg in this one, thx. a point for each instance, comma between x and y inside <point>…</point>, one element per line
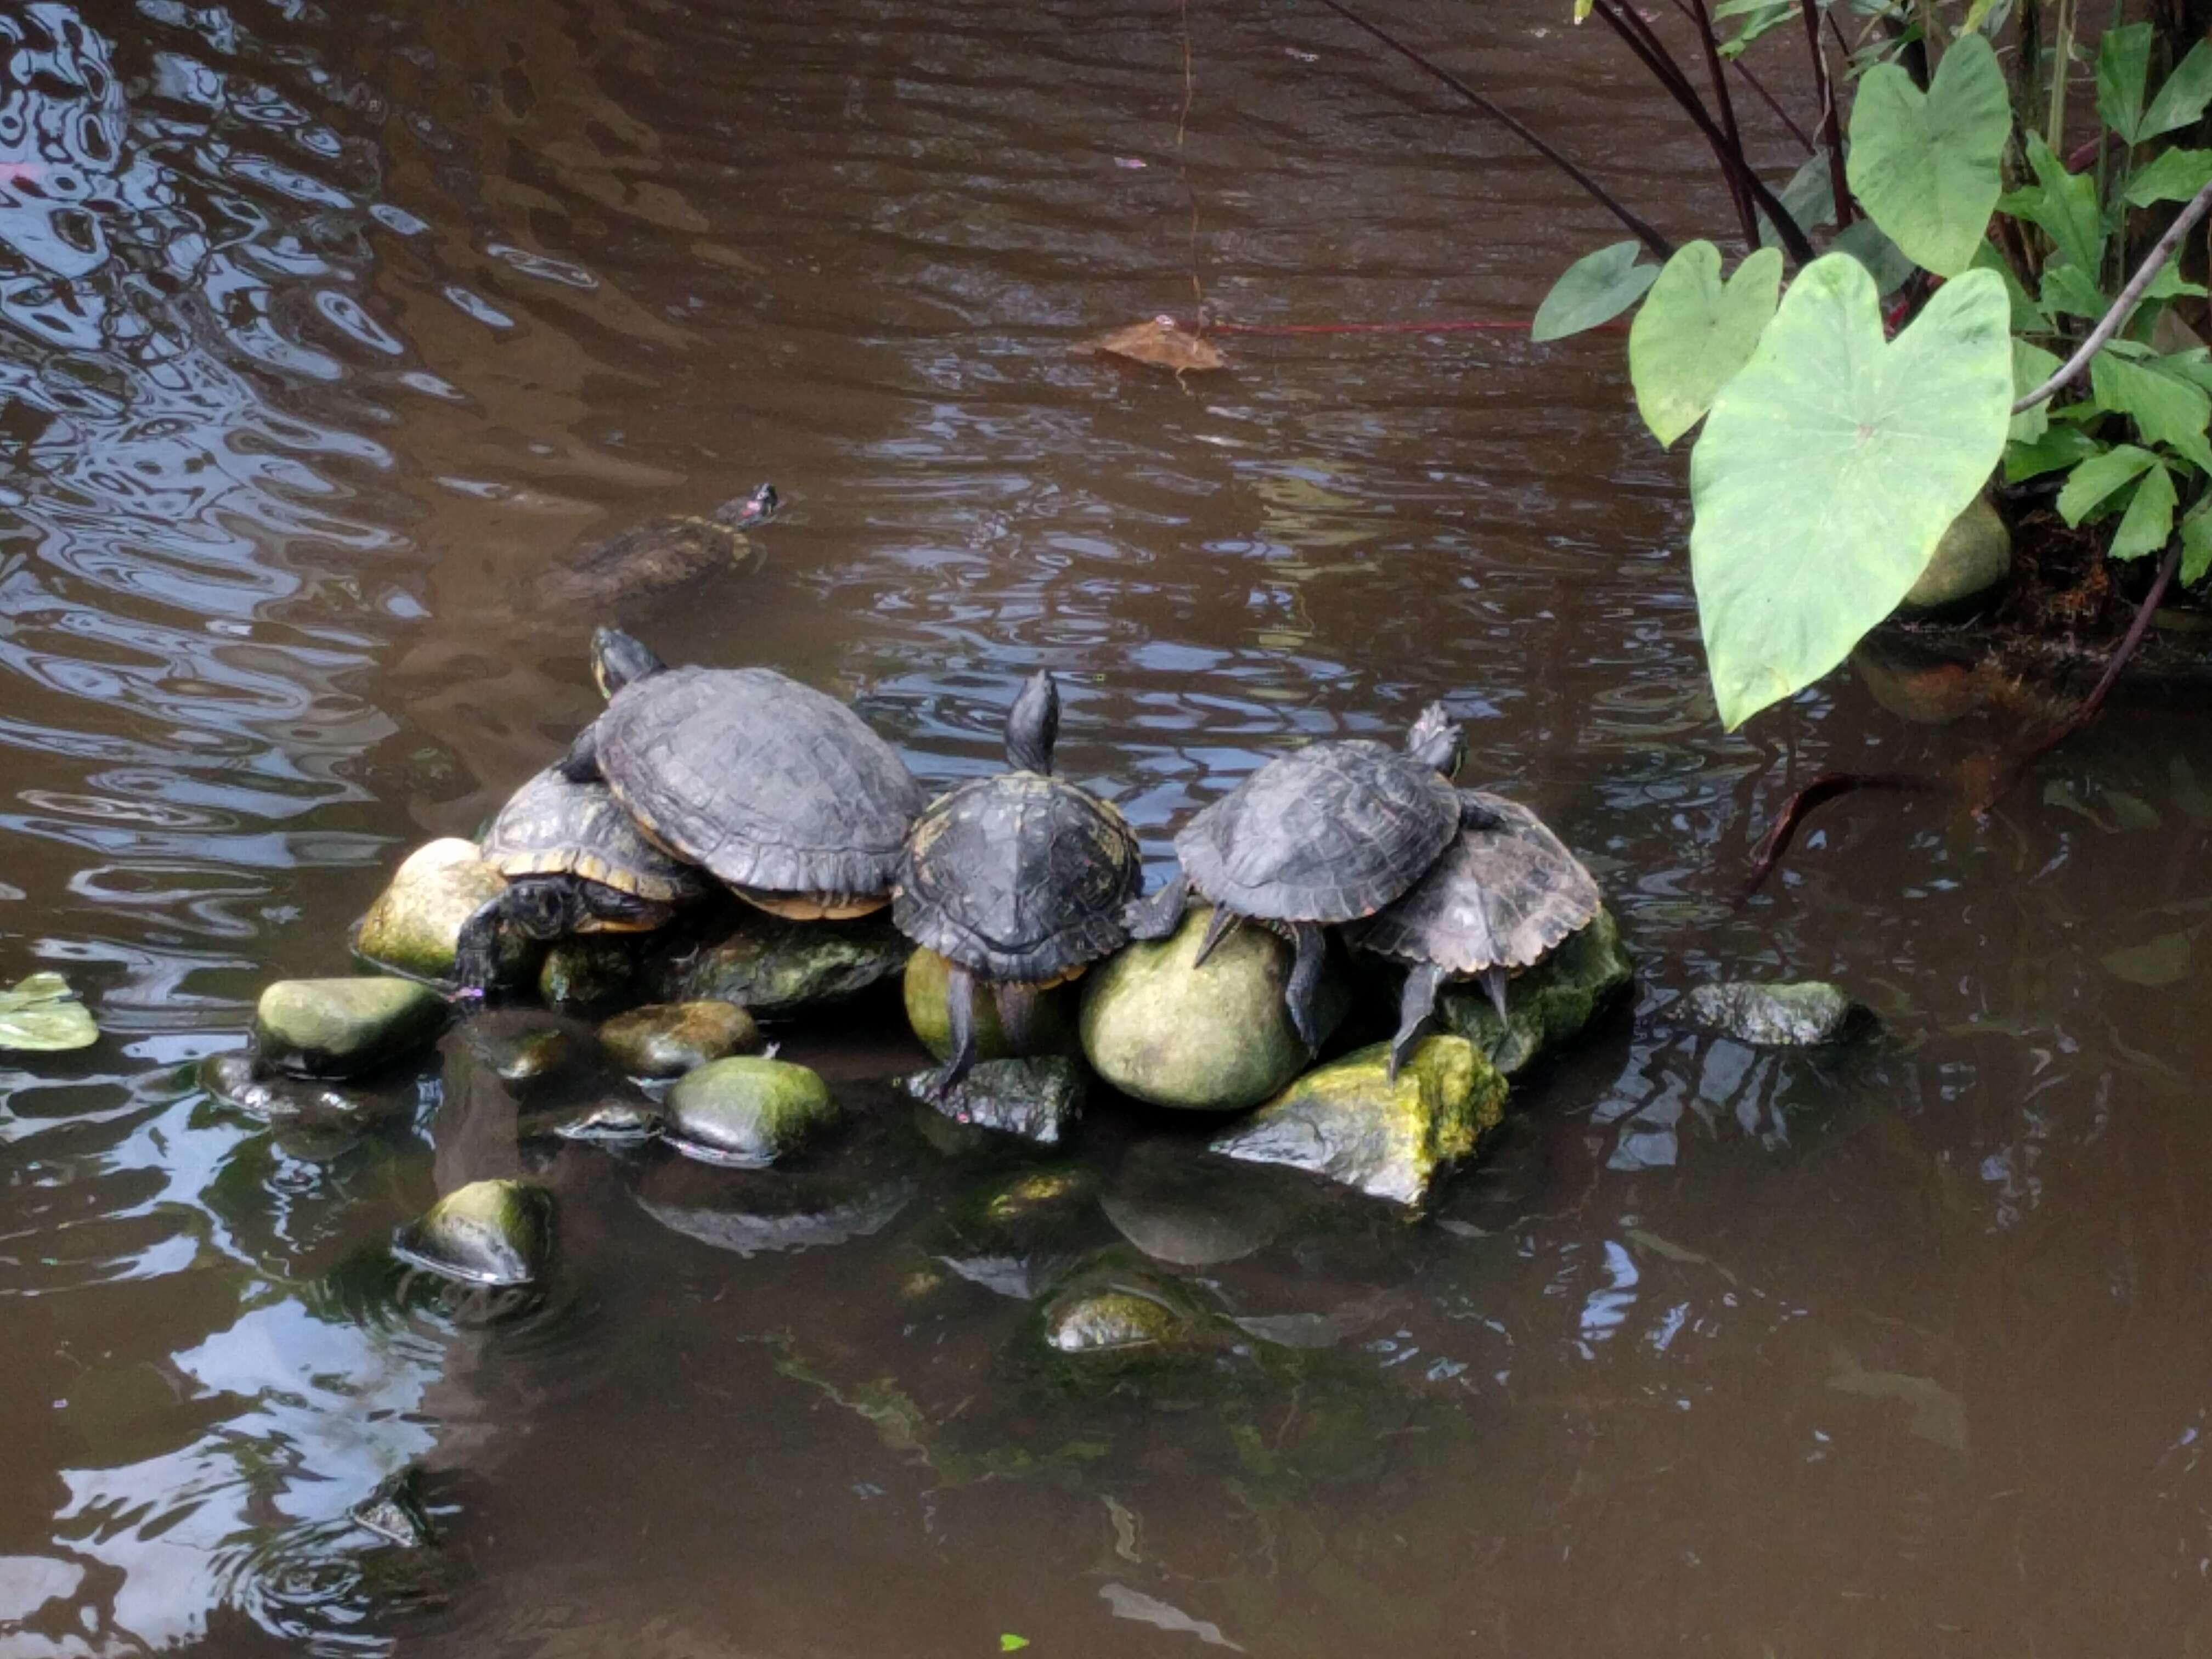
<point>1415,1005</point>
<point>1018,1007</point>
<point>1156,917</point>
<point>1301,996</point>
<point>960,1025</point>
<point>581,763</point>
<point>1218,927</point>
<point>1493,982</point>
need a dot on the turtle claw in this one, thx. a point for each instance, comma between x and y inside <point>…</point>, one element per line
<point>1218,928</point>
<point>1415,1004</point>
<point>1301,996</point>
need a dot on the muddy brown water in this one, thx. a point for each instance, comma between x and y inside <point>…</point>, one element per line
<point>327,329</point>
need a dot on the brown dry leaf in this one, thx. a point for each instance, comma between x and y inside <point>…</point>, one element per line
<point>1162,344</point>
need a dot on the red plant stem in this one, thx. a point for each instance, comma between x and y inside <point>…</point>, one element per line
<point>1837,185</point>
<point>1826,786</point>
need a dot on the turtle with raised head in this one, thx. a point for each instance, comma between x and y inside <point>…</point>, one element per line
<point>575,862</point>
<point>1018,880</point>
<point>1503,895</point>
<point>781,793</point>
<point>1324,835</point>
<point>659,555</point>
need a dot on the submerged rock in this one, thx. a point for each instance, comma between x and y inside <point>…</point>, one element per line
<point>415,924</point>
<point>395,1512</point>
<point>752,1213</point>
<point>1114,1318</point>
<point>612,1122</point>
<point>1974,557</point>
<point>1188,1210</point>
<point>1545,1004</point>
<point>1350,1122</point>
<point>774,967</point>
<point>1216,1038</point>
<point>1019,1236</point>
<point>293,1102</point>
<point>584,974</point>
<point>522,1046</point>
<point>748,1111</point>
<point>488,1232</point>
<point>667,1039</point>
<point>344,1028</point>
<point>1785,1016</point>
<point>1038,1099</point>
<point>1052,1029</point>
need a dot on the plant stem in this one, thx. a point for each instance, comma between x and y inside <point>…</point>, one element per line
<point>2117,319</point>
<point>1826,786</point>
<point>1766,96</point>
<point>1726,107</point>
<point>2061,68</point>
<point>1829,140</point>
<point>1660,247</point>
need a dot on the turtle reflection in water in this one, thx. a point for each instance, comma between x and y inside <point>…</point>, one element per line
<point>1017,880</point>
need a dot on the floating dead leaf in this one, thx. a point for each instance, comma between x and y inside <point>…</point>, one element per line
<point>1161,343</point>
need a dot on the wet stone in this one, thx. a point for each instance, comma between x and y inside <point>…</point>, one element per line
<point>1547,1005</point>
<point>521,1048</point>
<point>1113,1319</point>
<point>293,1102</point>
<point>415,924</point>
<point>1216,1038</point>
<point>614,1123</point>
<point>748,1111</point>
<point>394,1511</point>
<point>774,967</point>
<point>589,974</point>
<point>344,1028</point>
<point>1018,1236</point>
<point>1052,1029</point>
<point>488,1232</point>
<point>667,1039</point>
<point>1799,1015</point>
<point>1348,1122</point>
<point>1038,1099</point>
<point>1974,557</point>
<point>1189,1210</point>
<point>755,1212</point>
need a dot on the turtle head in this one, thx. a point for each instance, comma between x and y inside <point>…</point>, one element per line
<point>746,511</point>
<point>1032,724</point>
<point>618,659</point>
<point>1436,739</point>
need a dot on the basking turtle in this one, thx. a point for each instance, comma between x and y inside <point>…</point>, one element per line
<point>1328,833</point>
<point>1018,880</point>
<point>1504,893</point>
<point>659,555</point>
<point>575,863</point>
<point>782,792</point>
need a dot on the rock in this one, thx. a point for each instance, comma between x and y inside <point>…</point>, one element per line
<point>1113,1318</point>
<point>1186,1211</point>
<point>1545,1004</point>
<point>667,1039</point>
<point>748,1111</point>
<point>611,1122</point>
<point>344,1028</point>
<point>1052,1029</point>
<point>415,924</point>
<point>1038,1099</point>
<point>774,967</point>
<point>589,973</point>
<point>291,1103</point>
<point>1773,1016</point>
<point>1349,1122</point>
<point>1216,1038</point>
<point>395,1512</point>
<point>488,1232</point>
<point>521,1046</point>
<point>1974,557</point>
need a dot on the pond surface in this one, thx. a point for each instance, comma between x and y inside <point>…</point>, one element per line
<point>329,330</point>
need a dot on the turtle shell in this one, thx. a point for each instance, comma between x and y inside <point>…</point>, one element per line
<point>1504,893</point>
<point>1019,877</point>
<point>1326,834</point>
<point>766,783</point>
<point>551,827</point>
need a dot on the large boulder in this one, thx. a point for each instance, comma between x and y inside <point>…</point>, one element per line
<point>774,967</point>
<point>1349,1121</point>
<point>415,924</point>
<point>748,1111</point>
<point>1052,1028</point>
<point>1038,1098</point>
<point>1218,1039</point>
<point>667,1039</point>
<point>344,1028</point>
<point>1787,1016</point>
<point>1545,1004</point>
<point>488,1232</point>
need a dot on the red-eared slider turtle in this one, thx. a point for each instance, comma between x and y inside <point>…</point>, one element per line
<point>1017,880</point>
<point>1328,833</point>
<point>781,793</point>
<point>575,863</point>
<point>1505,891</point>
<point>658,556</point>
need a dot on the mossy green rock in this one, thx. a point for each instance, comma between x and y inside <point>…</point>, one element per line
<point>343,1028</point>
<point>1545,1004</point>
<point>774,967</point>
<point>1216,1038</point>
<point>1349,1121</point>
<point>488,1232</point>
<point>1787,1016</point>
<point>1974,556</point>
<point>748,1111</point>
<point>586,973</point>
<point>415,924</point>
<point>1038,1098</point>
<point>1052,1029</point>
<point>1112,1319</point>
<point>667,1039</point>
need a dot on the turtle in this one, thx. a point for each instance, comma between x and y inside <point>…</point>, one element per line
<point>1502,894</point>
<point>659,555</point>
<point>575,863</point>
<point>1325,834</point>
<point>1018,880</point>
<point>781,793</point>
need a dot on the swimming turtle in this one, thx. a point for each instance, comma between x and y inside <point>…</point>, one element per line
<point>575,863</point>
<point>659,555</point>
<point>1326,834</point>
<point>1017,880</point>
<point>1504,893</point>
<point>781,793</point>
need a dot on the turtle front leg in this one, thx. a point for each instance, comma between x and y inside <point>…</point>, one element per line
<point>1302,995</point>
<point>476,952</point>
<point>1156,917</point>
<point>1415,1005</point>
<point>581,763</point>
<point>1018,1007</point>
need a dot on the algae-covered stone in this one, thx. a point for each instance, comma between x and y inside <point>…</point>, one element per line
<point>343,1028</point>
<point>1545,1004</point>
<point>1113,1318</point>
<point>667,1039</point>
<point>293,1102</point>
<point>1974,556</point>
<point>774,967</point>
<point>583,975</point>
<point>1350,1122</point>
<point>415,924</point>
<point>1787,1016</point>
<point>1052,1028</point>
<point>488,1232</point>
<point>1038,1098</point>
<point>748,1111</point>
<point>1216,1038</point>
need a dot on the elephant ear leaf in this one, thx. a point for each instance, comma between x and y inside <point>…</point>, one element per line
<point>43,1014</point>
<point>1695,331</point>
<point>1595,289</point>
<point>1925,165</point>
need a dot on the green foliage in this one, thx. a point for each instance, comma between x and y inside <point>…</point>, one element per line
<point>1695,332</point>
<point>2182,100</point>
<point>2063,206</point>
<point>2123,69</point>
<point>2173,175</point>
<point>43,1014</point>
<point>1926,165</point>
<point>1596,288</point>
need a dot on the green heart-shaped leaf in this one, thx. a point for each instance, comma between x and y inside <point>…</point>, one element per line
<point>1596,288</point>
<point>42,1013</point>
<point>1925,165</point>
<point>1695,331</point>
<point>1830,466</point>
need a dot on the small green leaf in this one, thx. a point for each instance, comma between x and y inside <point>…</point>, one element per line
<point>2028,318</point>
<point>2063,205</point>
<point>2167,284</point>
<point>43,1014</point>
<point>1925,165</point>
<point>2150,518</point>
<point>1596,288</point>
<point>2058,448</point>
<point>2197,542</point>
<point>2162,960</point>
<point>1862,239</point>
<point>2098,476</point>
<point>2182,99</point>
<point>1695,332</point>
<point>2123,72</point>
<point>2068,291</point>
<point>2031,367</point>
<point>2172,175</point>
<point>1010,1643</point>
<point>2165,409</point>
